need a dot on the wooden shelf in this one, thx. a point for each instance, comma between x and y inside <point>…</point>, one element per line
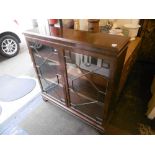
<point>46,53</point>
<point>53,89</point>
<point>87,106</point>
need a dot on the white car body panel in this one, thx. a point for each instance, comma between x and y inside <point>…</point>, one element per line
<point>15,26</point>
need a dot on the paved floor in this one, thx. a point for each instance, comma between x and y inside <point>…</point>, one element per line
<point>43,118</point>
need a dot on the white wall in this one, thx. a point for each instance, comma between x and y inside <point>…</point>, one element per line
<point>83,24</point>
<point>121,22</point>
<point>118,22</point>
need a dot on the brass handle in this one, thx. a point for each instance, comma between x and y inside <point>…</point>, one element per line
<point>58,78</point>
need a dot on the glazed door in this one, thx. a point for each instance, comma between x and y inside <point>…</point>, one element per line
<point>87,81</point>
<point>46,59</point>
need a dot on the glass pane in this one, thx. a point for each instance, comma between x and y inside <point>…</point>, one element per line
<point>48,67</point>
<point>87,78</point>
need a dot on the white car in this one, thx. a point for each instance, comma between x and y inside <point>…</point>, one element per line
<point>10,35</point>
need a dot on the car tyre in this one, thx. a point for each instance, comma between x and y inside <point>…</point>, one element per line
<point>9,46</point>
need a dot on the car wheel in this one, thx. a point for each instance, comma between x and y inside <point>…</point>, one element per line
<point>9,46</point>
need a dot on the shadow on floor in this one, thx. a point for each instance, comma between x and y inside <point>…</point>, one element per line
<point>132,105</point>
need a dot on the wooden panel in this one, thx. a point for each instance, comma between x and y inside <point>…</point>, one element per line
<point>133,45</point>
<point>131,55</point>
<point>83,39</point>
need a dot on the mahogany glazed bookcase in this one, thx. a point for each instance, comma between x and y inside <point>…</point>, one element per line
<point>79,71</point>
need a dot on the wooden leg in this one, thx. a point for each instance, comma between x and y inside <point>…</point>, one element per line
<point>46,100</point>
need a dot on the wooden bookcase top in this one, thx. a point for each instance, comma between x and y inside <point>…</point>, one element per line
<point>103,42</point>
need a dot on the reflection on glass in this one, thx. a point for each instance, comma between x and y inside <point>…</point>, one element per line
<point>48,67</point>
<point>87,78</point>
